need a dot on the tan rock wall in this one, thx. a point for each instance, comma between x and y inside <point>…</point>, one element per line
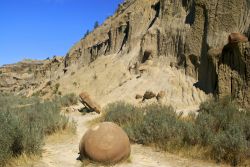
<point>234,72</point>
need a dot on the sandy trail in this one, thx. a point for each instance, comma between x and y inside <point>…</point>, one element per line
<point>62,150</point>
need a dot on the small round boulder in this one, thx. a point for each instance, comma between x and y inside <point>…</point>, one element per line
<point>105,143</point>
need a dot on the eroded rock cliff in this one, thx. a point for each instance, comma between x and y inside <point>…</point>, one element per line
<point>20,76</point>
<point>183,31</point>
<point>184,35</point>
<point>234,72</point>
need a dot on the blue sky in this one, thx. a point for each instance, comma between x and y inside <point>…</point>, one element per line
<point>39,29</point>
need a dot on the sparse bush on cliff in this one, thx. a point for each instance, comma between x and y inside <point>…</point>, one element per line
<point>25,122</point>
<point>86,34</point>
<point>220,127</point>
<point>96,25</point>
<point>56,88</point>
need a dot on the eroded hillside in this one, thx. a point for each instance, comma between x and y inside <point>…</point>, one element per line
<point>156,45</point>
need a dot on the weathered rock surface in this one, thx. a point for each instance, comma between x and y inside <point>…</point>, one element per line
<point>19,77</point>
<point>89,103</point>
<point>160,95</point>
<point>138,96</point>
<point>234,72</point>
<point>181,31</point>
<point>105,143</point>
<point>185,34</point>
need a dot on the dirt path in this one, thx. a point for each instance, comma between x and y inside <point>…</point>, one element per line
<point>61,150</point>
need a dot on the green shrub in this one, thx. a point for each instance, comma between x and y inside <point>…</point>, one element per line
<point>220,127</point>
<point>18,135</point>
<point>24,124</point>
<point>127,116</point>
<point>123,114</point>
<point>160,126</point>
<point>152,124</point>
<point>191,134</point>
<point>225,128</point>
<point>68,100</point>
<point>230,145</point>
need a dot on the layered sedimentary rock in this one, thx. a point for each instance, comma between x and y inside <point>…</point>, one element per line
<point>182,31</point>
<point>20,76</point>
<point>119,33</point>
<point>185,34</point>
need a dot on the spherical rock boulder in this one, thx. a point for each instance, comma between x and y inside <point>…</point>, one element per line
<point>105,143</point>
<point>236,37</point>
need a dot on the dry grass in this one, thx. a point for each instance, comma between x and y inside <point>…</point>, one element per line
<point>60,135</point>
<point>195,152</point>
<point>22,160</point>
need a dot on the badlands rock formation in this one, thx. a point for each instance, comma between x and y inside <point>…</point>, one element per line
<point>234,72</point>
<point>20,76</point>
<point>158,45</point>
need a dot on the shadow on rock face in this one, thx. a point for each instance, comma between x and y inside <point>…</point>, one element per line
<point>228,70</point>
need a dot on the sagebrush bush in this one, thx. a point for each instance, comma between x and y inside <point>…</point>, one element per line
<point>191,134</point>
<point>68,100</point>
<point>230,145</point>
<point>160,126</point>
<point>56,88</point>
<point>127,116</point>
<point>225,128</point>
<point>122,113</point>
<point>221,126</point>
<point>25,122</point>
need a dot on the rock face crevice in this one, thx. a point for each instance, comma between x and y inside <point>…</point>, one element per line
<point>126,36</point>
<point>190,8</point>
<point>204,57</point>
<point>156,7</point>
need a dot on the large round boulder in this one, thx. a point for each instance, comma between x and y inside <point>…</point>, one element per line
<point>105,143</point>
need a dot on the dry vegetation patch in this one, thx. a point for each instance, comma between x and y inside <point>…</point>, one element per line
<point>221,130</point>
<point>26,121</point>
